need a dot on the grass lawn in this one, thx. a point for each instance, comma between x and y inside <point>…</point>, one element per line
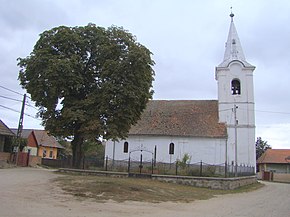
<point>101,188</point>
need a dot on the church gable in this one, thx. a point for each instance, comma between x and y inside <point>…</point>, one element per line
<point>194,118</point>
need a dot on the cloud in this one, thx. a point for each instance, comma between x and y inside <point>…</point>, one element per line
<point>277,135</point>
<point>187,39</point>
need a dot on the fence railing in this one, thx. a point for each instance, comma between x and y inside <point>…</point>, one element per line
<point>201,169</point>
<point>87,163</point>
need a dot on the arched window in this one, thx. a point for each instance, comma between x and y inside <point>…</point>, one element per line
<point>171,148</point>
<point>126,147</point>
<point>236,87</point>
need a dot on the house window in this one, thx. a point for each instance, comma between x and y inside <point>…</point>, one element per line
<point>50,154</point>
<point>236,87</point>
<point>126,147</point>
<point>171,148</point>
<point>44,153</point>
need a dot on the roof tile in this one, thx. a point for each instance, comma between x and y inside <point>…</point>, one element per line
<point>43,139</point>
<point>275,156</point>
<point>4,130</point>
<point>197,118</point>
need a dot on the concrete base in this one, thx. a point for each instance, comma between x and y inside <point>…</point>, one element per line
<point>205,182</point>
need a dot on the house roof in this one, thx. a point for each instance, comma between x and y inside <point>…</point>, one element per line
<point>41,136</point>
<point>43,139</point>
<point>4,130</point>
<point>195,118</point>
<point>275,156</point>
<point>24,133</point>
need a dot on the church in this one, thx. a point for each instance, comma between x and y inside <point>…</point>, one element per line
<point>212,131</point>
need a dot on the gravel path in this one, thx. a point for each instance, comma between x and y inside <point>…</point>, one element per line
<point>28,192</point>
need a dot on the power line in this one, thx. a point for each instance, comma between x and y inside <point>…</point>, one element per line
<point>28,104</point>
<point>18,112</point>
<point>11,90</point>
<point>17,100</point>
<point>223,110</point>
<point>274,112</point>
<point>284,113</point>
<point>10,108</point>
<point>5,97</point>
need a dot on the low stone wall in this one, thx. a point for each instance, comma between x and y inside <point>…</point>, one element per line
<point>5,161</point>
<point>4,156</point>
<point>281,177</point>
<point>34,161</point>
<point>277,177</point>
<point>205,182</point>
<point>93,172</point>
<point>208,182</point>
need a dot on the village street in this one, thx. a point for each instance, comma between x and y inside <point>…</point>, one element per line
<point>29,192</point>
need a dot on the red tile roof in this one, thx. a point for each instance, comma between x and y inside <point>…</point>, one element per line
<point>275,156</point>
<point>41,136</point>
<point>24,133</point>
<point>43,139</point>
<point>195,118</point>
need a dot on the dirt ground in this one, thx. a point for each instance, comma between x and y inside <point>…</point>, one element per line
<point>29,192</point>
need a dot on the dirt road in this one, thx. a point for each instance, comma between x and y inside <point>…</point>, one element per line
<point>28,192</point>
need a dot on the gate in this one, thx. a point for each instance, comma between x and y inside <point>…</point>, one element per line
<point>141,162</point>
<point>267,176</point>
<point>23,159</point>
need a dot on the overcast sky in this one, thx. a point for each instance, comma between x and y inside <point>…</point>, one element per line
<point>187,38</point>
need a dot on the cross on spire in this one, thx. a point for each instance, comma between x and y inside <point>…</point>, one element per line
<point>232,15</point>
<point>233,49</point>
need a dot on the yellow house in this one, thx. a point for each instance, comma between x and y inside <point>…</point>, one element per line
<point>39,143</point>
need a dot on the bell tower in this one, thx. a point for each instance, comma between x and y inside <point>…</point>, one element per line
<point>236,101</point>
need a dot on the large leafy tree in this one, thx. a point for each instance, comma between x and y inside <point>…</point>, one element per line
<point>261,147</point>
<point>88,82</point>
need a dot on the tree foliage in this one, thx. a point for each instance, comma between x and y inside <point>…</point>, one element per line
<point>88,82</point>
<point>261,147</point>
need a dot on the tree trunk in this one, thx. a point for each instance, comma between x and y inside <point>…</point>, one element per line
<point>78,152</point>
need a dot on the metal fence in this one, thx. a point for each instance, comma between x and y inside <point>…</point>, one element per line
<point>201,169</point>
<point>87,163</point>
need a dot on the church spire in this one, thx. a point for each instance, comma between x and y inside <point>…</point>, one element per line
<point>234,49</point>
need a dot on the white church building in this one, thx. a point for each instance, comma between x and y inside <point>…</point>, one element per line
<point>211,131</point>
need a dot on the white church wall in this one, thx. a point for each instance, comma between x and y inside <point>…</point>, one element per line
<point>245,146</point>
<point>244,112</point>
<point>244,101</point>
<point>208,150</point>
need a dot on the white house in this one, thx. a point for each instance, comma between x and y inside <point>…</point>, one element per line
<point>212,131</point>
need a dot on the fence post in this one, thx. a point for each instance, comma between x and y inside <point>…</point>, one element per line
<point>141,163</point>
<point>226,169</point>
<point>106,165</point>
<point>129,164</point>
<point>84,162</point>
<point>200,169</point>
<point>152,166</point>
<point>176,168</point>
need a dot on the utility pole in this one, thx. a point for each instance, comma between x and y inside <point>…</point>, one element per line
<point>20,127</point>
<point>236,140</point>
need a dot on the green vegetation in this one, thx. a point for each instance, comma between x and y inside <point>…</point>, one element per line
<point>88,83</point>
<point>184,161</point>
<point>261,147</point>
<point>101,188</point>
